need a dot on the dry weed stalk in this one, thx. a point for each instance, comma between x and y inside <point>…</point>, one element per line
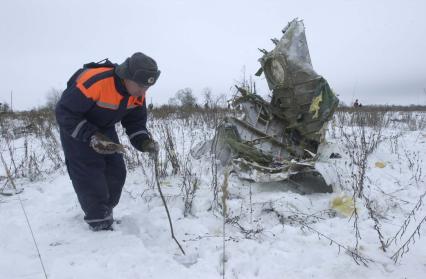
<point>8,174</point>
<point>189,186</point>
<point>360,144</point>
<point>405,248</point>
<point>225,195</point>
<point>169,145</point>
<point>305,221</point>
<point>403,229</point>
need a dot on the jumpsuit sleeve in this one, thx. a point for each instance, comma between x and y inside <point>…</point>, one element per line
<point>70,112</point>
<point>135,124</point>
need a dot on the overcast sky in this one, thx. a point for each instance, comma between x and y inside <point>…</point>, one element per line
<point>368,50</point>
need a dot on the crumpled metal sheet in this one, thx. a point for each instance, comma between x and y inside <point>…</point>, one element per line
<point>278,140</point>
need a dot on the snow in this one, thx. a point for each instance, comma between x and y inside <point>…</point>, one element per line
<point>268,231</point>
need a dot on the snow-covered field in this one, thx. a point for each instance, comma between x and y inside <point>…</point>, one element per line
<point>270,230</point>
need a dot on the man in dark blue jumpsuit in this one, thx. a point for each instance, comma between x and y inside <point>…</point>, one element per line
<point>97,97</point>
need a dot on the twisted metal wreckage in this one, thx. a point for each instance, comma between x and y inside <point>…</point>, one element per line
<point>280,140</point>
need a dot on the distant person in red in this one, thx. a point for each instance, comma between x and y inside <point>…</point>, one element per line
<point>97,97</point>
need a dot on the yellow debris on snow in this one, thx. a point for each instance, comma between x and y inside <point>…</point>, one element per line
<point>343,205</point>
<point>165,183</point>
<point>380,165</point>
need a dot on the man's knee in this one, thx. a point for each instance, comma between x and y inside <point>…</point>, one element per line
<point>116,170</point>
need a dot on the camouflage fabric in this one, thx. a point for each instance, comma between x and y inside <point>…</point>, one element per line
<point>301,96</point>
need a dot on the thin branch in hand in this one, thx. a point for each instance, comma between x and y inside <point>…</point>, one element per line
<point>164,202</point>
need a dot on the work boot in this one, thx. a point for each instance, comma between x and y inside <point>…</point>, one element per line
<point>102,225</point>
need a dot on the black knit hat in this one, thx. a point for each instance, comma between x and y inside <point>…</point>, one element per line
<point>139,68</point>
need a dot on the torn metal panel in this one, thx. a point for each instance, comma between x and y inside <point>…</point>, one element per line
<point>279,140</point>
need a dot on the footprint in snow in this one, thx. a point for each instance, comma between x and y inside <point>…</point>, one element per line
<point>128,225</point>
<point>187,260</point>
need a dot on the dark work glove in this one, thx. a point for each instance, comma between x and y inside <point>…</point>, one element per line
<point>150,146</point>
<point>104,145</point>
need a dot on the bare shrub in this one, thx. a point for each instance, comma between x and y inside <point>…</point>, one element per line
<point>190,184</point>
<point>360,143</point>
<point>169,143</point>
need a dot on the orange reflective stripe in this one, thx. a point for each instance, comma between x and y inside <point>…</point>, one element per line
<point>107,105</point>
